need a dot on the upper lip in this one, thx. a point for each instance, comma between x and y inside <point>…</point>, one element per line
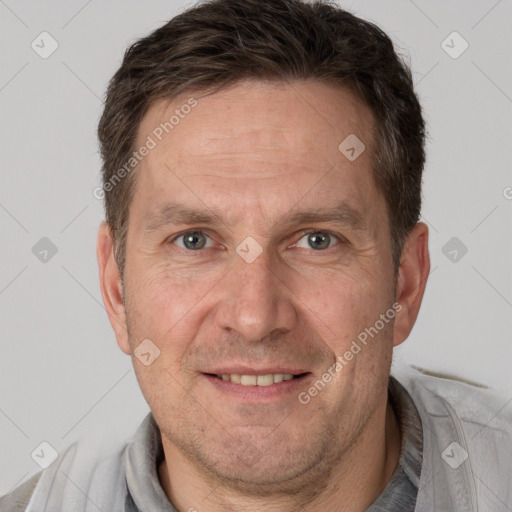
<point>246,370</point>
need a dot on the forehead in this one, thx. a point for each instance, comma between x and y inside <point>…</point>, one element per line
<point>293,116</point>
<point>257,139</point>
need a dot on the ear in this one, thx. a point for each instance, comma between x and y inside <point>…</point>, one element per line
<point>411,281</point>
<point>111,286</point>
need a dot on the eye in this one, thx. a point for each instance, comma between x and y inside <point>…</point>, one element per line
<point>317,240</point>
<point>192,240</point>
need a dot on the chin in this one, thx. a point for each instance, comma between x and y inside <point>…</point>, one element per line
<point>285,466</point>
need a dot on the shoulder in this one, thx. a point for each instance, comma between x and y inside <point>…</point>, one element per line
<point>85,471</point>
<point>18,499</point>
<point>443,394</point>
<point>467,441</point>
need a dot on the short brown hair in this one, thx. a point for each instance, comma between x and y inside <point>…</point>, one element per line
<point>221,42</point>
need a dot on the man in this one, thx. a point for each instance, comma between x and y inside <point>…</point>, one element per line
<point>260,259</point>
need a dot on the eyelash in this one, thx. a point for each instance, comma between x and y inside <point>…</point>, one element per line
<point>304,233</point>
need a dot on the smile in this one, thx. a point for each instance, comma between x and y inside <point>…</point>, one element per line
<point>257,380</point>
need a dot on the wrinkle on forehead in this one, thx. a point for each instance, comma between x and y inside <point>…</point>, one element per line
<point>250,120</point>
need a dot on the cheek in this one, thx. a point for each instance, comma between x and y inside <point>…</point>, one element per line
<point>360,342</point>
<point>343,305</point>
<point>350,325</point>
<point>160,299</point>
<point>161,309</point>
<point>170,310</point>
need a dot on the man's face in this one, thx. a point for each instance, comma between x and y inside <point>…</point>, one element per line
<point>251,291</point>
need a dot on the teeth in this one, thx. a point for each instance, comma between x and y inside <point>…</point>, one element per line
<point>249,380</point>
<point>256,380</point>
<point>265,380</point>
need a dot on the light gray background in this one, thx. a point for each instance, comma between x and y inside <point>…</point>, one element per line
<point>62,375</point>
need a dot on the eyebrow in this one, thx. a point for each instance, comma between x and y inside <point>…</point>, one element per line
<point>342,214</point>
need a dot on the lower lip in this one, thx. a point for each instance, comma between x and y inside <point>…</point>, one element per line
<point>259,393</point>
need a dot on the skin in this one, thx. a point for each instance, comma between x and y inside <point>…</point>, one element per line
<point>254,153</point>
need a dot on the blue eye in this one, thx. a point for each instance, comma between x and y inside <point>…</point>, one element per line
<point>317,240</point>
<point>193,240</point>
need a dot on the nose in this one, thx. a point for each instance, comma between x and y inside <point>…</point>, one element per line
<point>255,300</point>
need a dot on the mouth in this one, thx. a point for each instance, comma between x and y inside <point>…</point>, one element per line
<point>256,386</point>
<point>261,380</point>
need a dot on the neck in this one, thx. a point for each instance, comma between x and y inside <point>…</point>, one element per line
<point>352,483</point>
